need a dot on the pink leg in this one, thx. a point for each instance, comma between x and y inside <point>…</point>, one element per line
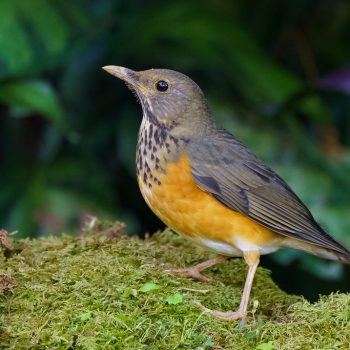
<point>252,259</point>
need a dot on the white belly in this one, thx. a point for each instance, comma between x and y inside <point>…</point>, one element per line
<point>238,249</point>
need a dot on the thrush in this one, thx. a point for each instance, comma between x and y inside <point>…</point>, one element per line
<point>206,185</point>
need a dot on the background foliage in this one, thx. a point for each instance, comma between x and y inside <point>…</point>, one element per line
<point>275,73</point>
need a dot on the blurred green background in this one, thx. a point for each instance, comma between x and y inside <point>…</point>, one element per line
<point>275,73</point>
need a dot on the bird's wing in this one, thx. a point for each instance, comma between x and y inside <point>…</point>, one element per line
<point>232,174</point>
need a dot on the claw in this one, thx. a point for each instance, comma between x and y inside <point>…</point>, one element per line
<point>225,316</point>
<point>194,272</point>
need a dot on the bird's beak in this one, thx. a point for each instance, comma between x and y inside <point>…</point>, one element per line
<point>128,75</point>
<point>122,73</point>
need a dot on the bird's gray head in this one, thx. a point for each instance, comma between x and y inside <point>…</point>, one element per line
<point>169,98</point>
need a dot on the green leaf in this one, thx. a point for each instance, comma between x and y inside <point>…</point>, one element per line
<point>251,335</point>
<point>265,346</point>
<point>35,96</point>
<point>15,54</point>
<point>208,343</point>
<point>35,34</point>
<point>51,26</point>
<point>85,316</point>
<point>174,299</point>
<point>149,286</point>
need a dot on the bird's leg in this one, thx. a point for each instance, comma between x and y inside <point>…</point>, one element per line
<point>252,259</point>
<point>194,272</point>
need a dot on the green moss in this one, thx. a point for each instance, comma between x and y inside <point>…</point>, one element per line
<point>96,292</point>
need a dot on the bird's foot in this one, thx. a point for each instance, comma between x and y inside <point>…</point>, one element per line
<point>225,316</point>
<point>191,272</point>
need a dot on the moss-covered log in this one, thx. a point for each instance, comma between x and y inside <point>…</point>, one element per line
<point>97,291</point>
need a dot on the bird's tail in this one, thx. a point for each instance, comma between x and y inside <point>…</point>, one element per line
<point>342,255</point>
<point>344,258</point>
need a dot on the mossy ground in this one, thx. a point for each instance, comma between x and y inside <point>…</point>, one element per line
<point>86,293</point>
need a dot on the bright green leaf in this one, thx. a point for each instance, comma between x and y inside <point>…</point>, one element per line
<point>174,299</point>
<point>149,286</point>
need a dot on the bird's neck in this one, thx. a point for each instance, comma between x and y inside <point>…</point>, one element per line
<point>156,147</point>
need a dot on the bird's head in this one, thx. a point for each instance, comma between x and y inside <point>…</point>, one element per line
<point>168,98</point>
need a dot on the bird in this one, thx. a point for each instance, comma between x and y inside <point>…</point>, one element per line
<point>204,184</point>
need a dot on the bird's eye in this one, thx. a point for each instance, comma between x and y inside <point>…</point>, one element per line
<point>162,86</point>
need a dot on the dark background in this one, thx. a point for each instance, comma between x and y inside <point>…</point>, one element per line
<point>276,74</point>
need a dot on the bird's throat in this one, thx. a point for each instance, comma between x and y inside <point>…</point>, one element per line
<point>156,147</point>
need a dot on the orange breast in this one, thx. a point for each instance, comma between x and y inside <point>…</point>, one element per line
<point>183,206</point>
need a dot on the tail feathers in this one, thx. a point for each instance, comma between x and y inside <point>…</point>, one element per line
<point>330,254</point>
<point>342,256</point>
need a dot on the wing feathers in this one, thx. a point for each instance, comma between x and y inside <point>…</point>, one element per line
<point>237,178</point>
